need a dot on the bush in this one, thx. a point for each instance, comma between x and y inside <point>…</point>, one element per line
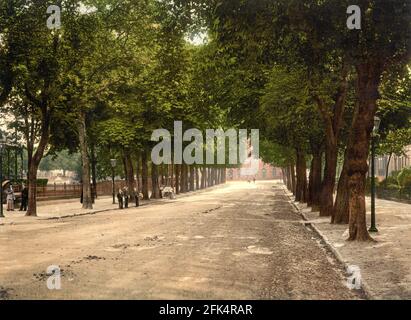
<point>404,178</point>
<point>394,175</point>
<point>391,180</point>
<point>392,186</point>
<point>40,182</point>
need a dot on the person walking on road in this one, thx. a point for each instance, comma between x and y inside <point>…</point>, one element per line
<point>120,199</point>
<point>10,199</point>
<point>126,197</point>
<point>24,198</point>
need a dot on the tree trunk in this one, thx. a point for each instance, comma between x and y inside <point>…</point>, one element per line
<point>197,178</point>
<point>144,175</point>
<point>171,175</point>
<point>192,179</point>
<point>316,167</point>
<point>130,174</point>
<point>203,177</point>
<point>368,81</point>
<point>328,184</point>
<point>183,179</point>
<point>93,170</point>
<point>154,182</point>
<point>310,185</point>
<point>163,179</point>
<point>177,179</point>
<point>286,179</point>
<point>301,188</point>
<point>87,199</point>
<point>341,214</point>
<point>32,187</point>
<point>387,167</point>
<point>138,172</point>
<point>34,161</point>
<point>293,179</point>
<point>314,181</point>
<point>332,123</point>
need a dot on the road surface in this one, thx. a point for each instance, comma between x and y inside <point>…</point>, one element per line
<point>238,241</point>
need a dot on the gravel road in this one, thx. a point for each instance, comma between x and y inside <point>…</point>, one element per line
<point>239,241</point>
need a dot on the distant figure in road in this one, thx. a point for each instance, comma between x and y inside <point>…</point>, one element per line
<point>120,199</point>
<point>10,199</point>
<point>126,197</point>
<point>24,198</point>
<point>254,179</point>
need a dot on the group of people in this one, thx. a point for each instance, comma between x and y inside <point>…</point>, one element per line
<point>11,198</point>
<point>123,197</point>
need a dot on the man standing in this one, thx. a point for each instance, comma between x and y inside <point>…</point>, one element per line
<point>126,197</point>
<point>24,198</point>
<point>120,199</point>
<point>10,199</point>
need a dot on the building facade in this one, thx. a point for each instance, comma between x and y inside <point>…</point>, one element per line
<point>265,172</point>
<point>395,164</point>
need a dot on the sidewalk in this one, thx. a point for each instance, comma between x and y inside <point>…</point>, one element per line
<point>386,264</point>
<point>59,209</point>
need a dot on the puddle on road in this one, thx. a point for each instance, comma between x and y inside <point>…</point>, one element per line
<point>241,254</point>
<point>259,250</point>
<point>181,237</point>
<point>194,280</point>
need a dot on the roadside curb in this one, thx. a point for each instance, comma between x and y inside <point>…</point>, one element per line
<point>364,285</point>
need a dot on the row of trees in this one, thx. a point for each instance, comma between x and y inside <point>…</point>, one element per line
<point>117,70</point>
<point>100,84</point>
<point>315,87</point>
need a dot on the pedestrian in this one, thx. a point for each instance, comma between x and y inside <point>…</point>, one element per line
<point>24,198</point>
<point>126,197</point>
<point>120,199</point>
<point>81,195</point>
<point>254,179</point>
<point>10,199</point>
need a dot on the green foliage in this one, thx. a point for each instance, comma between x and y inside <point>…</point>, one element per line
<point>61,161</point>
<point>404,179</point>
<point>288,110</point>
<point>39,182</point>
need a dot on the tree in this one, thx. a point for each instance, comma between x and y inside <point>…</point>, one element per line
<point>384,24</point>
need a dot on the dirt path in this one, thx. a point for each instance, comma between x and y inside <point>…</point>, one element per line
<point>242,241</point>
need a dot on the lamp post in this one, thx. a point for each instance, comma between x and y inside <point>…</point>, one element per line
<point>2,145</point>
<point>377,122</point>
<point>113,163</point>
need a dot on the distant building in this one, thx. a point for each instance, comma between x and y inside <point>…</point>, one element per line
<point>58,176</point>
<point>265,172</point>
<point>396,163</point>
